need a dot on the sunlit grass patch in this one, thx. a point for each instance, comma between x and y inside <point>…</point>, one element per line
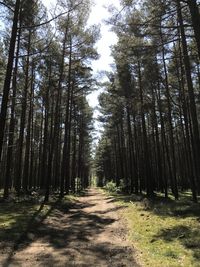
<point>15,217</point>
<point>21,217</point>
<point>164,232</point>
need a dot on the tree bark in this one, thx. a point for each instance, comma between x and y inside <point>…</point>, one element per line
<point>8,76</point>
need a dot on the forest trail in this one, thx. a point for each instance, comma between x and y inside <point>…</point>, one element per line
<point>89,234</point>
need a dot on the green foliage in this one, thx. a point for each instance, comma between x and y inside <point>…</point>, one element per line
<point>111,187</point>
<point>122,186</point>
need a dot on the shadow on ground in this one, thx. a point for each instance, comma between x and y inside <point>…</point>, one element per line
<point>68,229</point>
<point>189,238</point>
<point>161,206</point>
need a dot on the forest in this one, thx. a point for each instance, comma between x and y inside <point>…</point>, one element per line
<point>150,106</point>
<point>46,121</point>
<point>148,149</point>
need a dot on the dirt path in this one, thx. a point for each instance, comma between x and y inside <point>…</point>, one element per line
<point>89,234</point>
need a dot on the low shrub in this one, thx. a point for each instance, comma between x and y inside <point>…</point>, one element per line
<point>111,187</point>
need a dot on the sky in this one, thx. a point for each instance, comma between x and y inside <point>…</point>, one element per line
<point>98,14</point>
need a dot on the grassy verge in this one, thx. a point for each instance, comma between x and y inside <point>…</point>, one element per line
<point>164,232</point>
<point>19,219</point>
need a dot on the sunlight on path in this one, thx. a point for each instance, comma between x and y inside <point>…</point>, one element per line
<point>89,234</point>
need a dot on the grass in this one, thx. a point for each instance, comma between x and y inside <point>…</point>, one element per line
<point>164,232</point>
<point>19,217</point>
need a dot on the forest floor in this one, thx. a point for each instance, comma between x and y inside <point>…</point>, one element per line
<point>165,232</point>
<point>87,232</point>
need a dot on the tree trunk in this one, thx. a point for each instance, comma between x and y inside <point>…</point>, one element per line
<point>23,119</point>
<point>66,141</point>
<point>148,171</point>
<point>12,125</point>
<point>8,76</point>
<point>193,112</point>
<point>28,137</point>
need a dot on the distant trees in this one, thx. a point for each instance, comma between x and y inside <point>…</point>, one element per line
<point>46,122</point>
<point>152,131</point>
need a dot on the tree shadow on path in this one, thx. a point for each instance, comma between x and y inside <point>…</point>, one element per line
<point>71,231</point>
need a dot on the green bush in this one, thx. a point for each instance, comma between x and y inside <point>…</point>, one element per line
<point>122,186</point>
<point>111,187</point>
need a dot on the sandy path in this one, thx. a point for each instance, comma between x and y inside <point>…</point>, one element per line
<point>89,234</point>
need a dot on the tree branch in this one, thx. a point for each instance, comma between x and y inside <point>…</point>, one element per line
<point>50,20</point>
<point>4,4</point>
